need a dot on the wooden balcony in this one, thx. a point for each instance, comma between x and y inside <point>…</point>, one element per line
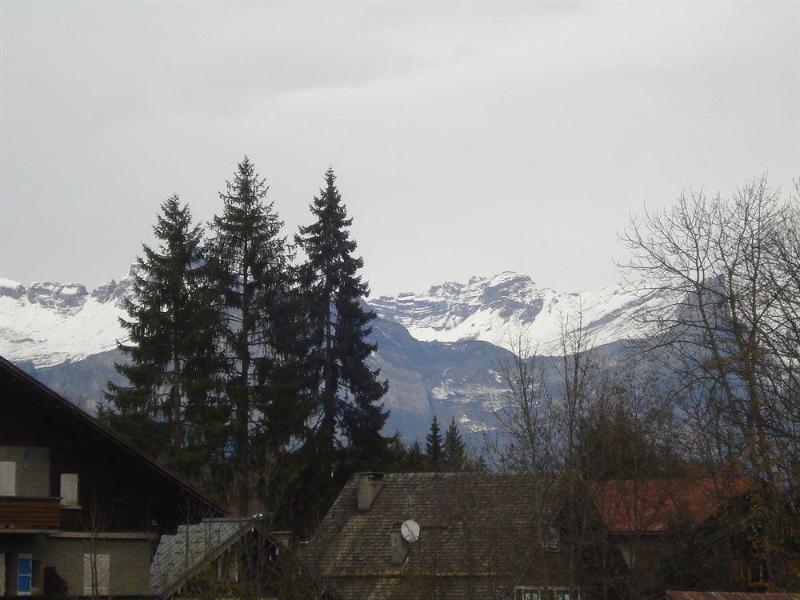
<point>29,513</point>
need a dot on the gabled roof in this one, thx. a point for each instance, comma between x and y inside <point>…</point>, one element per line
<point>180,556</point>
<point>72,411</point>
<point>473,526</point>
<point>652,506</point>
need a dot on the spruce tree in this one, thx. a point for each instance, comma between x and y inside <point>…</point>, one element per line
<point>169,405</point>
<point>347,390</point>
<point>415,458</point>
<point>433,445</point>
<point>454,451</point>
<point>250,264</point>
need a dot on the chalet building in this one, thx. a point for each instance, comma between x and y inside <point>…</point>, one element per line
<point>81,509</point>
<point>673,530</point>
<point>640,516</point>
<point>445,536</point>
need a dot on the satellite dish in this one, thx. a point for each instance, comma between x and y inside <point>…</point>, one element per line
<point>410,531</point>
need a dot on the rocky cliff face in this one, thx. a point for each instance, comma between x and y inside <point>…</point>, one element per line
<point>439,350</point>
<point>502,308</point>
<point>453,380</point>
<point>46,323</point>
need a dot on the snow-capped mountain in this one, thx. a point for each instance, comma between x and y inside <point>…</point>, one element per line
<point>47,323</point>
<point>439,350</point>
<point>500,308</point>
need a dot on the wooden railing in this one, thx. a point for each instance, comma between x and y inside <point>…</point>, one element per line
<point>29,513</point>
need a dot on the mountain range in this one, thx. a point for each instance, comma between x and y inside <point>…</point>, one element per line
<point>439,350</point>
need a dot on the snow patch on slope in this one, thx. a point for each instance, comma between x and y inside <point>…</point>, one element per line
<point>50,323</point>
<point>498,309</point>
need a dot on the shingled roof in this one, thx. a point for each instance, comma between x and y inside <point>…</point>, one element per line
<point>182,556</point>
<point>479,534</point>
<point>179,555</point>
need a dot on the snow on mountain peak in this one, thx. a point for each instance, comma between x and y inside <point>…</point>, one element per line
<point>48,323</point>
<point>501,307</point>
<point>10,288</point>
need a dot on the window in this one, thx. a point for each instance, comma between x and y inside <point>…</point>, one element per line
<point>8,478</point>
<point>24,574</point>
<point>552,539</point>
<point>69,489</point>
<point>228,568</point>
<point>759,572</point>
<point>522,592</point>
<point>96,574</point>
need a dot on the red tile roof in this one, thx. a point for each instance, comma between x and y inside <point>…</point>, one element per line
<point>651,506</point>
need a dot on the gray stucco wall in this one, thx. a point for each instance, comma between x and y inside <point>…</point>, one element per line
<point>33,469</point>
<point>129,560</point>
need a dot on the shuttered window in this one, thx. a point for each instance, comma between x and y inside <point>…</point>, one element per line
<point>552,539</point>
<point>96,574</point>
<point>69,489</point>
<point>3,591</point>
<point>8,478</point>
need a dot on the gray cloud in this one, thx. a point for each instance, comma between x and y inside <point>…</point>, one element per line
<point>469,137</point>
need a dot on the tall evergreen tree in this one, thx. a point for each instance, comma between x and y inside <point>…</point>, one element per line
<point>434,445</point>
<point>454,451</point>
<point>170,403</point>
<point>250,263</point>
<point>415,458</point>
<point>348,391</point>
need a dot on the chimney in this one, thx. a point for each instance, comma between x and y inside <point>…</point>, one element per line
<point>397,548</point>
<point>369,484</point>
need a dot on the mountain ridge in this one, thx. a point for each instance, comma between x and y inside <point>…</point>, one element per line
<point>502,307</point>
<point>439,349</point>
<point>47,323</point>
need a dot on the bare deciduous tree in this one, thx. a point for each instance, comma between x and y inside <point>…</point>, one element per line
<point>527,417</point>
<point>725,273</point>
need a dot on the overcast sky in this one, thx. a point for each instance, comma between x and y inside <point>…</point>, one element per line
<point>468,138</point>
